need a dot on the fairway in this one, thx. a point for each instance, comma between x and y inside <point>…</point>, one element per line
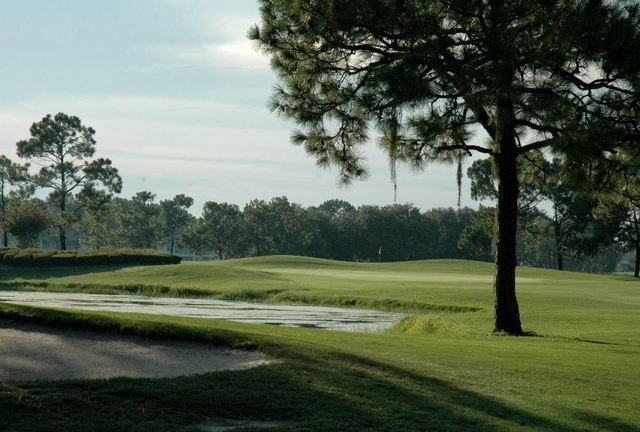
<point>395,276</point>
<point>438,369</point>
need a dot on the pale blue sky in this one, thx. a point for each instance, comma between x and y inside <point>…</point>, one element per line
<point>178,98</point>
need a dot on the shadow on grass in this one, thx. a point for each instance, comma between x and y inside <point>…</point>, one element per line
<point>314,388</point>
<point>320,392</point>
<point>604,423</point>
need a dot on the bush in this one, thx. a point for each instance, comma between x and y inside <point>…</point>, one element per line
<point>25,221</point>
<point>7,255</point>
<point>37,258</point>
<point>42,258</point>
<point>6,251</point>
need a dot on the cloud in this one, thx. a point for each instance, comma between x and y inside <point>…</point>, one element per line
<point>219,39</point>
<point>238,53</point>
<point>136,109</point>
<point>215,151</point>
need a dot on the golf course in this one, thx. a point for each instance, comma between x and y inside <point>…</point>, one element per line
<point>438,368</point>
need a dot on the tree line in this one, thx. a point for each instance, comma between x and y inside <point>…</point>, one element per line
<point>567,226</point>
<point>334,229</point>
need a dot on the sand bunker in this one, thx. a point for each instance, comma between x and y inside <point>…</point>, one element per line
<point>33,352</point>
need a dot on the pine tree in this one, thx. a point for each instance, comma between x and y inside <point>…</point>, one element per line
<point>496,77</point>
<point>63,148</point>
<point>14,183</point>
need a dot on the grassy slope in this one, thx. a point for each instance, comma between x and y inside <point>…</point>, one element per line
<point>435,371</point>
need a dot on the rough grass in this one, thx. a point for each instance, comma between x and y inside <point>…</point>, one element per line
<point>436,370</point>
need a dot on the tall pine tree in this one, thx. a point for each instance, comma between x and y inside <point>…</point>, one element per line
<point>497,77</point>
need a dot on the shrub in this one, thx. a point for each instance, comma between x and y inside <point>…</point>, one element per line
<point>36,257</point>
<point>42,258</point>
<point>8,255</point>
<point>25,221</point>
<point>6,251</point>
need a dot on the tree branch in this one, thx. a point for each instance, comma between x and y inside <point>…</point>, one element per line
<point>466,147</point>
<point>536,145</point>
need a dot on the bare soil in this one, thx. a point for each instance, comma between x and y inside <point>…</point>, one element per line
<point>33,352</point>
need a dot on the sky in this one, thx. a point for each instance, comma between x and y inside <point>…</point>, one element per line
<point>178,97</point>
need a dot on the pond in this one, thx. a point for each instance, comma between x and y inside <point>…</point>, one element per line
<point>332,318</point>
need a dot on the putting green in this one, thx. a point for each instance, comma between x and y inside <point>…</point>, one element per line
<point>398,276</point>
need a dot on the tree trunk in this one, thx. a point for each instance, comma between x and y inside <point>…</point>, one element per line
<point>63,237</point>
<point>636,270</point>
<point>3,208</point>
<point>636,240</point>
<point>558,238</point>
<point>173,241</point>
<point>61,229</point>
<point>507,314</point>
<point>560,260</point>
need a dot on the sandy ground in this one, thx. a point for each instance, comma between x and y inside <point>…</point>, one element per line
<point>33,352</point>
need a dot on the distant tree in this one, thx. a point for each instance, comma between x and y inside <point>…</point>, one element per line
<point>277,227</point>
<point>289,227</point>
<point>219,229</point>
<point>532,172</point>
<point>448,224</point>
<point>97,220</point>
<point>476,238</point>
<point>338,229</point>
<point>571,220</point>
<point>536,243</point>
<point>257,225</point>
<point>400,232</point>
<point>619,200</point>
<point>320,244</point>
<point>501,78</point>
<point>337,207</point>
<point>141,225</point>
<point>571,224</point>
<point>25,221</point>
<point>16,176</point>
<point>63,148</point>
<point>175,217</point>
<point>195,238</point>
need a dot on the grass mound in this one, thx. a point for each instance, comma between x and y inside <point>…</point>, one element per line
<point>39,258</point>
<point>428,324</point>
<point>385,304</point>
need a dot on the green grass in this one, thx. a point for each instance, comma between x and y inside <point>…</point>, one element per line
<point>438,369</point>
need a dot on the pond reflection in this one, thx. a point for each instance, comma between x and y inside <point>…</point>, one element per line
<point>332,318</point>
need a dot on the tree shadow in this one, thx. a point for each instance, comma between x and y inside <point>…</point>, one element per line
<point>314,388</point>
<point>604,423</point>
<point>329,390</point>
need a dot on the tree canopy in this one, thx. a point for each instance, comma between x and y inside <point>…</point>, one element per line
<point>63,149</point>
<point>140,222</point>
<point>175,216</point>
<point>14,183</point>
<point>25,221</point>
<point>450,77</point>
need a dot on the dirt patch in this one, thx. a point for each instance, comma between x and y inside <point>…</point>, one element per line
<point>34,352</point>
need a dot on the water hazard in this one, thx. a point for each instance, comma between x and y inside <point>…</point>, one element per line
<point>331,318</point>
